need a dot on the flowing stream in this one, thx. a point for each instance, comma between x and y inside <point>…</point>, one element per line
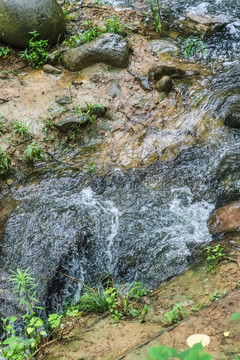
<point>140,224</point>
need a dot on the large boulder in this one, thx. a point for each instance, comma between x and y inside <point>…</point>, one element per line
<point>226,219</point>
<point>111,49</point>
<point>19,17</point>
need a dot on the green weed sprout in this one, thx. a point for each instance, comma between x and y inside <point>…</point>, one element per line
<point>5,162</point>
<point>22,128</point>
<point>36,54</point>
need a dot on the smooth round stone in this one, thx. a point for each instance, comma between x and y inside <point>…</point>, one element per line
<point>19,17</point>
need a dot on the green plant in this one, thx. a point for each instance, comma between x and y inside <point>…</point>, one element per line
<point>22,128</point>
<point>112,25</point>
<point>93,300</point>
<point>36,54</point>
<point>167,353</point>
<point>35,333</point>
<point>121,300</point>
<point>34,152</point>
<point>194,46</point>
<point>91,111</point>
<point>175,315</point>
<point>91,167</point>
<point>215,254</point>
<point>216,295</point>
<point>5,162</point>
<point>4,51</point>
<point>156,10</point>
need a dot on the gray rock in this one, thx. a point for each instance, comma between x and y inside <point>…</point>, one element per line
<point>74,120</point>
<point>70,122</point>
<point>113,89</point>
<point>164,85</point>
<point>144,82</point>
<point>164,46</point>
<point>63,100</point>
<point>19,17</point>
<point>202,24</point>
<point>49,69</point>
<point>111,49</point>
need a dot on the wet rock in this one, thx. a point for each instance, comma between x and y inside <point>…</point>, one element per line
<point>72,121</point>
<point>113,89</point>
<point>158,72</point>
<point>164,85</point>
<point>18,18</point>
<point>63,100</point>
<point>202,24</point>
<point>227,185</point>
<point>111,49</point>
<point>164,46</point>
<point>49,69</point>
<point>232,118</point>
<point>144,82</point>
<point>226,219</point>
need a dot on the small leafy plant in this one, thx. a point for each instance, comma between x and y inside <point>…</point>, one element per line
<point>121,300</point>
<point>215,254</point>
<point>91,111</point>
<point>16,347</point>
<point>112,25</point>
<point>175,315</point>
<point>4,51</point>
<point>194,46</point>
<point>215,296</point>
<point>166,353</point>
<point>5,162</point>
<point>22,128</point>
<point>91,167</point>
<point>34,152</point>
<point>36,54</point>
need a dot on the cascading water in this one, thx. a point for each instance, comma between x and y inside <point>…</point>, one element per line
<point>139,224</point>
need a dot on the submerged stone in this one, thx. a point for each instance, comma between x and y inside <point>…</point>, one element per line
<point>111,49</point>
<point>164,85</point>
<point>18,18</point>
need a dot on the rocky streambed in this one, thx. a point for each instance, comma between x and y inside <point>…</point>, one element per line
<point>130,190</point>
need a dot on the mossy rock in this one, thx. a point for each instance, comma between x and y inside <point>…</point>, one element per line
<point>18,18</point>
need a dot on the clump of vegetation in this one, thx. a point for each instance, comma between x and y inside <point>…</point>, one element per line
<point>4,51</point>
<point>112,25</point>
<point>22,128</point>
<point>91,167</point>
<point>215,296</point>
<point>36,331</point>
<point>34,152</point>
<point>5,162</point>
<point>194,46</point>
<point>90,112</point>
<point>215,254</point>
<point>36,54</point>
<point>166,353</point>
<point>121,300</point>
<point>175,315</point>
